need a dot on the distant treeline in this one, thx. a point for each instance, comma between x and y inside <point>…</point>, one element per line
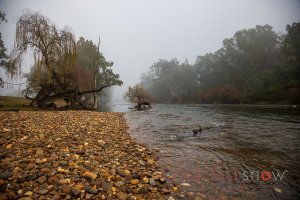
<point>256,65</point>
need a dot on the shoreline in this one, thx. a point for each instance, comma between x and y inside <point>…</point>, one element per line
<point>75,154</point>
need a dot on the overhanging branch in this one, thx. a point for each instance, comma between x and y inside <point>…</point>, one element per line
<point>97,90</point>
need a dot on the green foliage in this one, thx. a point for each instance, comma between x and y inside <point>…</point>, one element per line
<point>255,65</point>
<point>3,55</point>
<point>92,67</point>
<point>170,81</point>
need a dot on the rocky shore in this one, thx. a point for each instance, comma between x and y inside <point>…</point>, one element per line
<point>75,155</point>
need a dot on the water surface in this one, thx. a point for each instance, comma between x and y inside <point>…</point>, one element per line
<point>244,152</point>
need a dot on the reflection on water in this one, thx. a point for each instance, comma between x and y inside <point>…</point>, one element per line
<point>245,152</point>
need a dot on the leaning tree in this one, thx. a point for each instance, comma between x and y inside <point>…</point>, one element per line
<point>54,51</point>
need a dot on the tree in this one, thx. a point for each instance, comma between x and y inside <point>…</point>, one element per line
<point>55,51</point>
<point>3,55</point>
<point>138,96</point>
<point>92,70</point>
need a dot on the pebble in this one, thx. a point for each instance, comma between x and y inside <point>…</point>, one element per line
<point>79,187</point>
<point>121,172</point>
<point>5,175</point>
<point>185,184</point>
<point>42,179</point>
<point>152,182</point>
<point>134,181</point>
<point>66,189</point>
<point>106,186</point>
<point>28,193</point>
<point>122,196</point>
<point>64,181</point>
<point>62,160</point>
<point>43,191</point>
<point>75,191</point>
<point>2,182</point>
<point>278,190</point>
<point>90,175</point>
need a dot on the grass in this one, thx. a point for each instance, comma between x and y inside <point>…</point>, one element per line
<point>14,103</point>
<point>19,103</point>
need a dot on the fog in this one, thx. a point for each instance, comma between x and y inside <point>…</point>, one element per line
<point>135,34</point>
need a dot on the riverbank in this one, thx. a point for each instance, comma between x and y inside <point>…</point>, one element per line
<point>75,154</point>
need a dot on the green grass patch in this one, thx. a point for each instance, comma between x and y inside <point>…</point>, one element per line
<point>14,103</point>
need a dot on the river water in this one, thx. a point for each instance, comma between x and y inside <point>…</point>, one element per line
<point>243,152</point>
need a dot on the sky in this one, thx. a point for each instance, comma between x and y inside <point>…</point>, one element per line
<point>136,33</point>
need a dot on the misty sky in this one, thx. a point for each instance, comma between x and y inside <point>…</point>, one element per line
<point>136,33</point>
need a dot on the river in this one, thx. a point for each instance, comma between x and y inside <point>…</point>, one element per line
<point>243,152</point>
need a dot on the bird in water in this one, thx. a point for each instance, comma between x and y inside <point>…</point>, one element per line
<point>197,130</point>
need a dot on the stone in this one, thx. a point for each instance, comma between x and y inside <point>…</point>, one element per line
<point>43,191</point>
<point>166,191</point>
<point>142,190</point>
<point>121,172</point>
<point>53,179</point>
<point>79,187</point>
<point>94,191</point>
<point>122,196</point>
<point>106,186</point>
<point>136,176</point>
<point>278,190</point>
<point>171,198</point>
<point>185,184</point>
<point>134,181</point>
<point>42,179</point>
<point>142,162</point>
<point>61,170</point>
<point>162,180</point>
<point>152,182</point>
<point>190,194</point>
<point>66,189</point>
<point>88,196</point>
<point>64,181</point>
<point>25,198</point>
<point>38,161</point>
<point>90,175</point>
<point>5,175</point>
<point>1,182</point>
<point>39,152</point>
<point>28,193</point>
<point>75,191</point>
<point>146,180</point>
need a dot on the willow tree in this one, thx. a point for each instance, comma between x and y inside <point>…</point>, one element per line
<point>54,52</point>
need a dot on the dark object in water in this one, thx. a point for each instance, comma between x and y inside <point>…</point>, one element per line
<point>143,105</point>
<point>196,131</point>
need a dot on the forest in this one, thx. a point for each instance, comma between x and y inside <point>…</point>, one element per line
<point>256,65</point>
